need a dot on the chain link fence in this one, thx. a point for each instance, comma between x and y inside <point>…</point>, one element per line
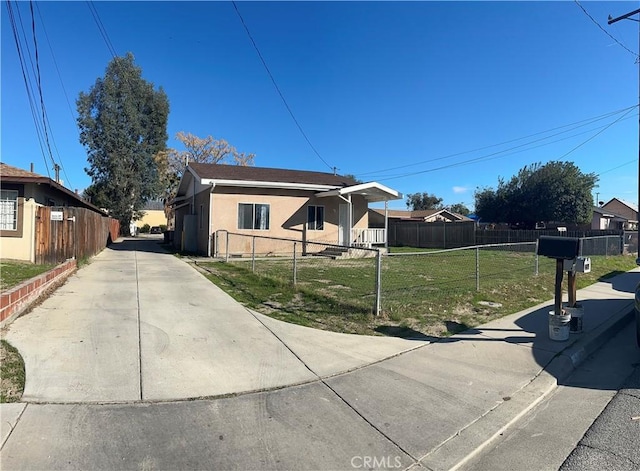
<point>347,275</point>
<point>369,279</point>
<point>604,245</point>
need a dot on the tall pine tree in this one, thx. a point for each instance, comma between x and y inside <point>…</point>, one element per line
<point>123,125</point>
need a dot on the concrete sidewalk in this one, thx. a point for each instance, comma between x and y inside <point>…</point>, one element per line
<point>123,331</point>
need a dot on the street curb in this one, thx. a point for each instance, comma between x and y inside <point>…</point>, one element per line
<point>467,443</point>
<point>577,353</point>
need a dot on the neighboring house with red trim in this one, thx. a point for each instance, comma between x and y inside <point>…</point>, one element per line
<point>21,193</point>
<point>278,203</point>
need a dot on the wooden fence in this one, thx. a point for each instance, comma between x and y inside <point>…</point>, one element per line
<point>449,235</point>
<point>67,232</point>
<point>440,235</point>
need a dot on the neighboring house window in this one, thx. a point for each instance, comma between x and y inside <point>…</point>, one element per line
<point>253,216</point>
<point>315,218</point>
<point>8,210</point>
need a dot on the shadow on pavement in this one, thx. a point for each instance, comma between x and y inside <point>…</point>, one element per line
<point>142,244</point>
<point>532,330</point>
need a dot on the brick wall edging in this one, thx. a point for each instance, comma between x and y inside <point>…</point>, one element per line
<point>16,300</point>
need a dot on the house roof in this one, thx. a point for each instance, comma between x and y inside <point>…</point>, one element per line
<point>626,203</point>
<point>153,205</point>
<point>11,174</point>
<point>420,214</point>
<point>263,174</point>
<point>371,191</point>
<point>609,214</point>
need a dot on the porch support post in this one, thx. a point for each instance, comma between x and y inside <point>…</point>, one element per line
<point>386,224</point>
<point>349,217</point>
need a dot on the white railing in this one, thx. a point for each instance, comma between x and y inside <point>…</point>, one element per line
<point>368,237</point>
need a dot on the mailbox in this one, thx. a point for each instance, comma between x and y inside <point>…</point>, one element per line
<point>578,265</point>
<point>561,248</point>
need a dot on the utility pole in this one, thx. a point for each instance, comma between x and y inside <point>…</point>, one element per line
<point>627,16</point>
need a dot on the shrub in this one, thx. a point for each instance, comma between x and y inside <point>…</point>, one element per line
<point>145,229</point>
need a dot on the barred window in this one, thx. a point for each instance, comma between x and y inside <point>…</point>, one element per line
<point>8,210</point>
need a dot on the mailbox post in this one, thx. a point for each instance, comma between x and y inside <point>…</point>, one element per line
<point>561,249</point>
<point>566,251</point>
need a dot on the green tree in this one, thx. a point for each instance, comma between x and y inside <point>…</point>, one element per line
<point>556,191</point>
<point>459,208</point>
<point>420,201</point>
<point>123,125</point>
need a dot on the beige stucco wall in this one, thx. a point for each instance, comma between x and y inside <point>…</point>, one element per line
<point>22,248</point>
<point>153,218</point>
<point>288,217</point>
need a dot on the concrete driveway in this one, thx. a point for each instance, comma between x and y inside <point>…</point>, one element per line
<point>112,352</point>
<point>138,324</point>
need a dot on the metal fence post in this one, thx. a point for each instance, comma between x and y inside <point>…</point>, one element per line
<point>537,267</point>
<point>477,268</point>
<point>226,249</point>
<point>253,254</point>
<point>377,307</point>
<point>295,263</point>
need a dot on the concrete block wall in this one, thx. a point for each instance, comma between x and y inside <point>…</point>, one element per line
<point>15,300</point>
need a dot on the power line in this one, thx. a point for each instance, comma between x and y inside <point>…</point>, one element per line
<point>496,155</point>
<point>25,77</point>
<point>55,63</point>
<point>619,166</point>
<point>39,84</point>
<point>572,126</point>
<point>595,135</point>
<point>101,28</point>
<point>635,54</point>
<point>255,46</point>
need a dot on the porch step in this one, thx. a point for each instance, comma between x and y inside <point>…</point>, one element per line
<point>333,252</point>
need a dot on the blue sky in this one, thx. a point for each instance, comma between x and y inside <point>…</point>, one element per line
<point>400,93</point>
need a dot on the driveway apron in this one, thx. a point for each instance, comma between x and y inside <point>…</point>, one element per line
<point>138,324</point>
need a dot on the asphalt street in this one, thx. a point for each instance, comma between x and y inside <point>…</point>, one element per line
<point>550,432</point>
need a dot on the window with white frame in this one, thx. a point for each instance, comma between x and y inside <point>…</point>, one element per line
<point>8,210</point>
<point>253,216</point>
<point>315,218</point>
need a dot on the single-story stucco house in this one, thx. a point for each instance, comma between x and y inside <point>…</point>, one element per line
<point>271,202</point>
<point>21,193</point>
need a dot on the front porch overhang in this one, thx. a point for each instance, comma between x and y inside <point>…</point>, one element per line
<point>373,192</point>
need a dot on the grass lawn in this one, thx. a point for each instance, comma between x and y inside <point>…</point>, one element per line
<point>11,373</point>
<point>430,294</point>
<point>15,272</point>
